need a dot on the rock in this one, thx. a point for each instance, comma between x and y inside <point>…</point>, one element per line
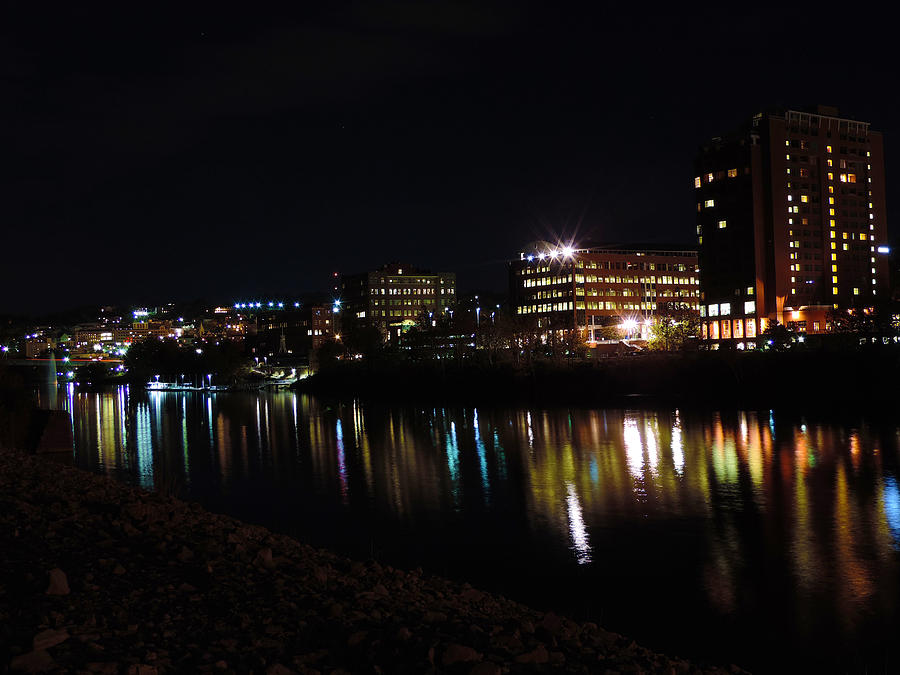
<point>278,669</point>
<point>537,655</point>
<point>472,595</point>
<point>59,584</point>
<point>142,669</point>
<point>49,638</point>
<point>264,559</point>
<point>38,661</point>
<point>356,638</point>
<point>486,668</point>
<point>456,653</point>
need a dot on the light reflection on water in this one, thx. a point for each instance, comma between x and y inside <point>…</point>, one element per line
<point>773,539</point>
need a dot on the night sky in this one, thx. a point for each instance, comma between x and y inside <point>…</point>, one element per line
<point>153,153</point>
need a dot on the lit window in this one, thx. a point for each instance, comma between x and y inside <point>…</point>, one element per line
<point>709,203</point>
<point>710,178</point>
<point>834,268</point>
<point>843,178</point>
<point>697,182</point>
<point>725,308</point>
<point>831,189</point>
<point>732,173</point>
<point>830,163</point>
<point>750,307</point>
<point>787,157</point>
<point>834,280</point>
<point>831,200</point>
<point>749,290</point>
<point>846,247</point>
<point>828,149</point>
<point>790,198</point>
<point>855,291</point>
<point>804,199</point>
<point>751,328</point>
<point>844,235</point>
<point>714,310</point>
<point>722,224</point>
<point>830,177</point>
<point>851,177</point>
<point>862,235</point>
<point>834,290</point>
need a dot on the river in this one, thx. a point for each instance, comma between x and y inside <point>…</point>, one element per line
<point>762,538</point>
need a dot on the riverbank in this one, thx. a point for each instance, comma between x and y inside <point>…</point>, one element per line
<point>756,379</point>
<point>100,577</point>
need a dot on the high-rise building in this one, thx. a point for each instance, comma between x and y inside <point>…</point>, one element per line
<point>396,296</point>
<point>790,222</point>
<point>589,287</point>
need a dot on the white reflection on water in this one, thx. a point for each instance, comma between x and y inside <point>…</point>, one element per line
<point>677,445</point>
<point>144,441</point>
<point>209,422</point>
<point>577,529</point>
<point>634,449</point>
<point>650,434</point>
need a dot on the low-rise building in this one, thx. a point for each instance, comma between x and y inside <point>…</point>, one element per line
<point>591,287</point>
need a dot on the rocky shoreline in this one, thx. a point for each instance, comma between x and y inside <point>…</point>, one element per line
<point>97,577</point>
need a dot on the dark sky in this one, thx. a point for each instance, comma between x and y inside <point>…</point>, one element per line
<point>153,153</point>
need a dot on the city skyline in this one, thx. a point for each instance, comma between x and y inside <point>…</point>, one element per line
<point>215,155</point>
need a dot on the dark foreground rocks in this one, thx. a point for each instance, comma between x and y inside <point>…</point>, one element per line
<point>96,577</point>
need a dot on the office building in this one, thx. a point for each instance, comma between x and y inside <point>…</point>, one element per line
<point>791,223</point>
<point>590,287</point>
<point>395,297</point>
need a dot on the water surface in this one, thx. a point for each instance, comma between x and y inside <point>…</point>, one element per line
<point>770,540</point>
